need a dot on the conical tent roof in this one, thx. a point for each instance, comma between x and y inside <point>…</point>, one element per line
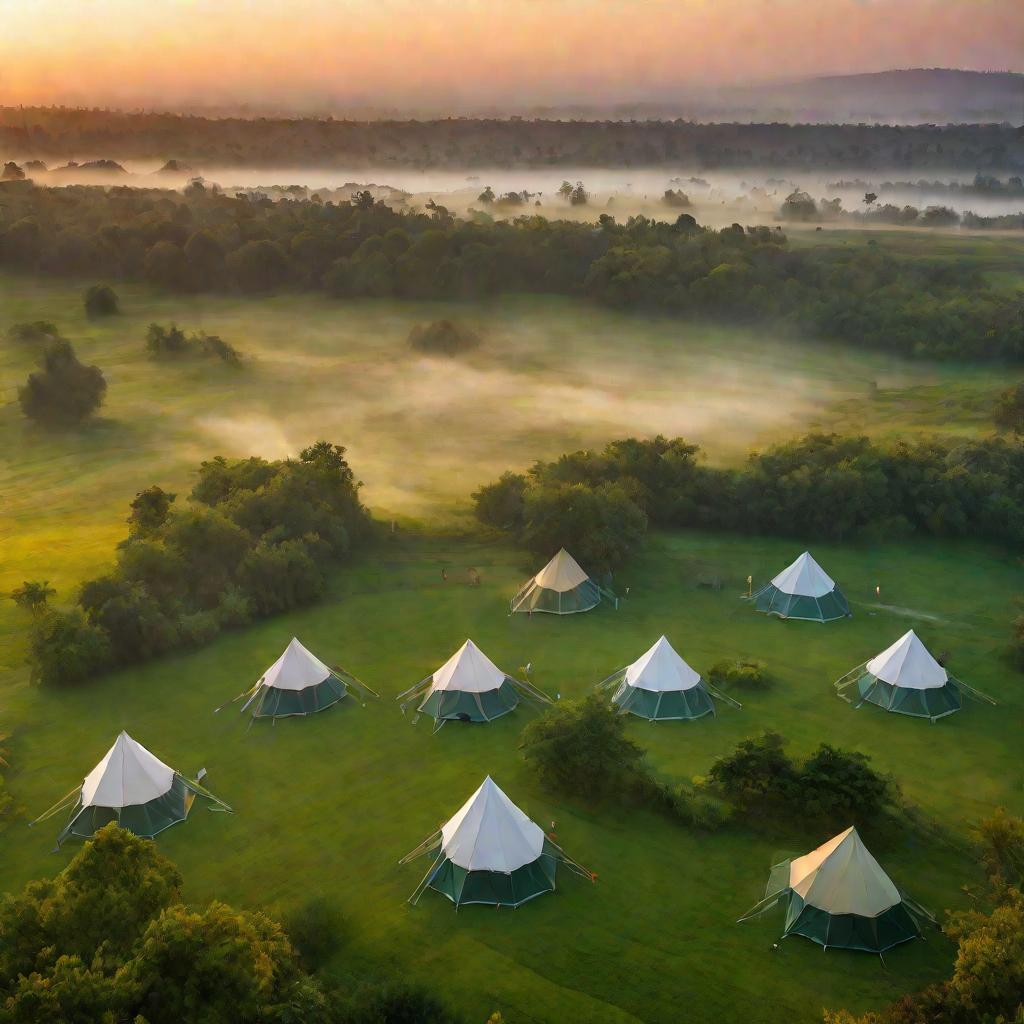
<point>804,578</point>
<point>468,670</point>
<point>296,669</point>
<point>128,774</point>
<point>561,574</point>
<point>908,664</point>
<point>489,833</point>
<point>661,670</point>
<point>841,877</point>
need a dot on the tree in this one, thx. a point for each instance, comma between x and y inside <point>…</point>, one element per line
<point>63,392</point>
<point>869,198</point>
<point>580,748</point>
<point>579,195</point>
<point>64,648</point>
<point>259,266</point>
<point>1009,410</point>
<point>36,331</point>
<point>205,261</point>
<point>501,504</point>
<point>487,196</point>
<point>32,595</point>
<point>12,172</point>
<point>100,300</point>
<point>565,190</point>
<point>166,266</point>
<point>798,205</point>
<point>150,510</point>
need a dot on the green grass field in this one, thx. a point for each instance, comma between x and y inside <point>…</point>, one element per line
<point>326,806</point>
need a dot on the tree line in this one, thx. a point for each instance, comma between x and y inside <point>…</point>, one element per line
<point>205,241</point>
<point>253,540</point>
<point>599,503</point>
<point>61,132</point>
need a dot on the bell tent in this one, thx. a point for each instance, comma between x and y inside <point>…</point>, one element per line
<point>298,683</point>
<point>469,687</point>
<point>906,679</point>
<point>660,686</point>
<point>490,852</point>
<point>802,590</point>
<point>132,787</point>
<point>839,896</point>
<point>561,588</point>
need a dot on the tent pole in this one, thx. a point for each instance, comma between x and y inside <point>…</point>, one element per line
<point>425,881</point>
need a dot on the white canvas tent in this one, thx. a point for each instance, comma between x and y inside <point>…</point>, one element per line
<point>660,686</point>
<point>905,678</point>
<point>561,588</point>
<point>469,687</point>
<point>839,896</point>
<point>490,852</point>
<point>133,787</point>
<point>803,590</point>
<point>298,683</point>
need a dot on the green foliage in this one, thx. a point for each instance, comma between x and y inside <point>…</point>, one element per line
<point>33,332</point>
<point>108,939</point>
<point>253,541</point>
<point>66,648</point>
<point>149,511</point>
<point>819,486</point>
<point>580,748</point>
<point>854,293</point>
<point>601,525</point>
<point>399,1004</point>
<point>742,673</point>
<point>173,341</point>
<point>443,337</point>
<point>33,595</point>
<point>62,392</point>
<point>1001,839</point>
<point>100,300</point>
<point>830,786</point>
<point>1009,410</point>
<point>502,503</point>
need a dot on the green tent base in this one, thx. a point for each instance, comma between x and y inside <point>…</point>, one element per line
<point>146,820</point>
<point>851,931</point>
<point>932,703</point>
<point>580,599</point>
<point>464,706</point>
<point>669,705</point>
<point>279,703</point>
<point>772,601</point>
<point>495,888</point>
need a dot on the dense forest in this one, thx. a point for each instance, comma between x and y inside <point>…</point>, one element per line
<point>204,240</point>
<point>60,132</point>
<point>599,503</point>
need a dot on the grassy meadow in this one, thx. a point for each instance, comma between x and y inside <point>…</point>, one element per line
<point>326,806</point>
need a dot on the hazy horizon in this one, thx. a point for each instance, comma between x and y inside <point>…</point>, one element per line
<point>465,56</point>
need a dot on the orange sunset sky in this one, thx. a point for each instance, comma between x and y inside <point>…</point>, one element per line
<point>473,53</point>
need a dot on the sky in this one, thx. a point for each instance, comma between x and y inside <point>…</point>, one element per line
<point>472,54</point>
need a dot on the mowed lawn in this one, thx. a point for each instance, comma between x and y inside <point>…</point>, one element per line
<point>326,806</point>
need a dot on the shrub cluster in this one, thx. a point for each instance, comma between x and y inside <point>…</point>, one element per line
<point>443,338</point>
<point>580,748</point>
<point>927,305</point>
<point>63,391</point>
<point>819,486</point>
<point>252,542</point>
<point>834,787</point>
<point>173,341</point>
<point>741,674</point>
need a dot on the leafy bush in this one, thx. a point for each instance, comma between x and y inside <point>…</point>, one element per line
<point>34,331</point>
<point>740,674</point>
<point>63,392</point>
<point>580,748</point>
<point>253,541</point>
<point>831,786</point>
<point>1009,409</point>
<point>443,337</point>
<point>173,341</point>
<point>100,300</point>
<point>501,504</point>
<point>399,1004</point>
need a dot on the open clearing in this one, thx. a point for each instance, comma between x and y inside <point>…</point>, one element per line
<point>327,805</point>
